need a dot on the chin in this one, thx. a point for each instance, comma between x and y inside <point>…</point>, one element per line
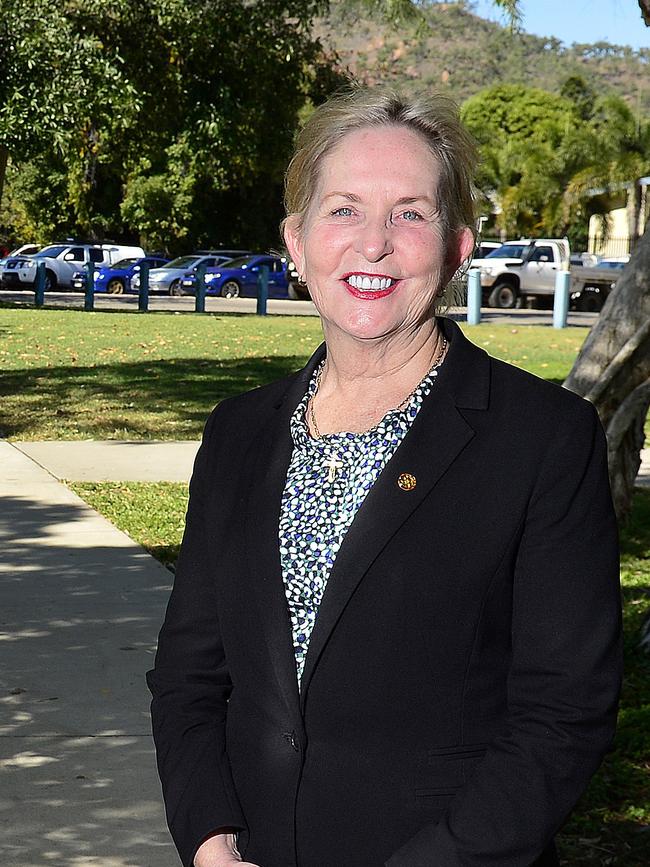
<point>367,325</point>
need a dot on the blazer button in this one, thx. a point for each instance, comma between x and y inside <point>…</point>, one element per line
<point>291,738</point>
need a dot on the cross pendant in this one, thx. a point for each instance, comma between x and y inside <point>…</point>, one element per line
<point>333,465</point>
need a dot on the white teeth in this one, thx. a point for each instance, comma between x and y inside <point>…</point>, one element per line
<point>360,281</point>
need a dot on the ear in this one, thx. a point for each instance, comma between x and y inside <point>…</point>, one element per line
<point>294,241</point>
<point>466,244</point>
<point>460,248</point>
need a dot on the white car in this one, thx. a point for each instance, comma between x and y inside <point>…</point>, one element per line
<point>61,262</point>
<point>23,250</point>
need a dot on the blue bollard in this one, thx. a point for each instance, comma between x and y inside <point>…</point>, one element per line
<point>143,291</point>
<point>39,285</point>
<point>474,296</point>
<point>561,301</point>
<point>89,300</point>
<point>262,290</point>
<point>199,305</point>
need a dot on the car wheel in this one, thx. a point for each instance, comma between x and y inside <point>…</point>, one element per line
<point>175,288</point>
<point>115,286</point>
<point>504,296</point>
<point>50,281</point>
<point>230,289</point>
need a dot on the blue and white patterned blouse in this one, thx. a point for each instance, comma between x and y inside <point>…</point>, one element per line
<point>316,513</point>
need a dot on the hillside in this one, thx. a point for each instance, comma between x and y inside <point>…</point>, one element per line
<point>460,53</point>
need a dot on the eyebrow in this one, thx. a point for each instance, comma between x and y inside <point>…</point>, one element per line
<point>404,200</point>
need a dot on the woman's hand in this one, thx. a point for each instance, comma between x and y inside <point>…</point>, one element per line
<point>220,850</point>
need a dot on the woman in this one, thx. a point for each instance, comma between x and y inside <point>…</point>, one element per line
<point>393,637</point>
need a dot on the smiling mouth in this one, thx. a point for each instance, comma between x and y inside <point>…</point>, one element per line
<point>370,283</point>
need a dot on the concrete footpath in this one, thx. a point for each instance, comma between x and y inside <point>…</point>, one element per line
<point>80,609</point>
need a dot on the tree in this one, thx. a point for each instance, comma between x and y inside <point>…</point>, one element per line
<point>613,372</point>
<point>523,133</point>
<point>60,92</point>
<point>544,154</point>
<point>191,103</point>
<point>613,366</point>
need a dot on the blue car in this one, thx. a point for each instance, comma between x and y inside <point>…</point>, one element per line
<point>116,279</point>
<point>239,277</point>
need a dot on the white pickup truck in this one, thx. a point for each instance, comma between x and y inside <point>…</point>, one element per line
<point>524,271</point>
<point>61,262</point>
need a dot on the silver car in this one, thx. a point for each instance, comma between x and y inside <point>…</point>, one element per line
<point>168,278</point>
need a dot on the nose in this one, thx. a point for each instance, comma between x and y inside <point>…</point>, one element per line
<point>374,240</point>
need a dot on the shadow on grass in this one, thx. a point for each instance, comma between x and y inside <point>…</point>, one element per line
<point>136,398</point>
<point>610,824</point>
<point>635,535</point>
<point>166,554</point>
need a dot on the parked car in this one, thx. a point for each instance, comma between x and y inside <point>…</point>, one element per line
<point>61,263</point>
<point>583,260</point>
<point>17,256</point>
<point>116,279</point>
<point>617,262</point>
<point>484,248</point>
<point>239,277</point>
<point>23,250</point>
<point>169,277</point>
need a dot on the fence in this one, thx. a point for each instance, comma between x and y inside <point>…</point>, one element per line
<point>143,292</point>
<point>615,246</point>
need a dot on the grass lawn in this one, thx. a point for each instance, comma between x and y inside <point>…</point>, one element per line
<point>66,374</point>
<point>612,823</point>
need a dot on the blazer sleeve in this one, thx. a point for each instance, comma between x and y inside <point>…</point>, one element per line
<point>190,685</point>
<point>565,671</point>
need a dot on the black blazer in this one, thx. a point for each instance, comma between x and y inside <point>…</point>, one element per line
<point>461,682</point>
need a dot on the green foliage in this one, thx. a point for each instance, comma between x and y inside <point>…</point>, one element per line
<point>191,104</point>
<point>581,94</point>
<point>171,122</point>
<point>521,132</point>
<point>543,155</point>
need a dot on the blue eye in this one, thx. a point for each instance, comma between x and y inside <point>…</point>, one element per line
<point>344,211</point>
<point>411,216</point>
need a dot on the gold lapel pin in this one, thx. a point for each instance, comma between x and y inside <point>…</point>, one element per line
<point>406,481</point>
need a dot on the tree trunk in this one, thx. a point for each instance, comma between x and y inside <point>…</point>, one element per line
<point>612,370</point>
<point>633,211</point>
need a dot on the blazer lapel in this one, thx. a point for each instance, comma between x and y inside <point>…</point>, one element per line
<point>270,456</point>
<point>438,435</point>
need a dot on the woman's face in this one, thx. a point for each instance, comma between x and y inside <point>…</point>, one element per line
<point>372,249</point>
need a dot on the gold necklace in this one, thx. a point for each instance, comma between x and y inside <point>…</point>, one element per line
<point>333,464</point>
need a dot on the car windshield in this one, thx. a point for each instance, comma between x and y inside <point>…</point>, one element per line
<point>125,263</point>
<point>508,251</point>
<point>52,251</point>
<point>182,262</point>
<point>243,261</point>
